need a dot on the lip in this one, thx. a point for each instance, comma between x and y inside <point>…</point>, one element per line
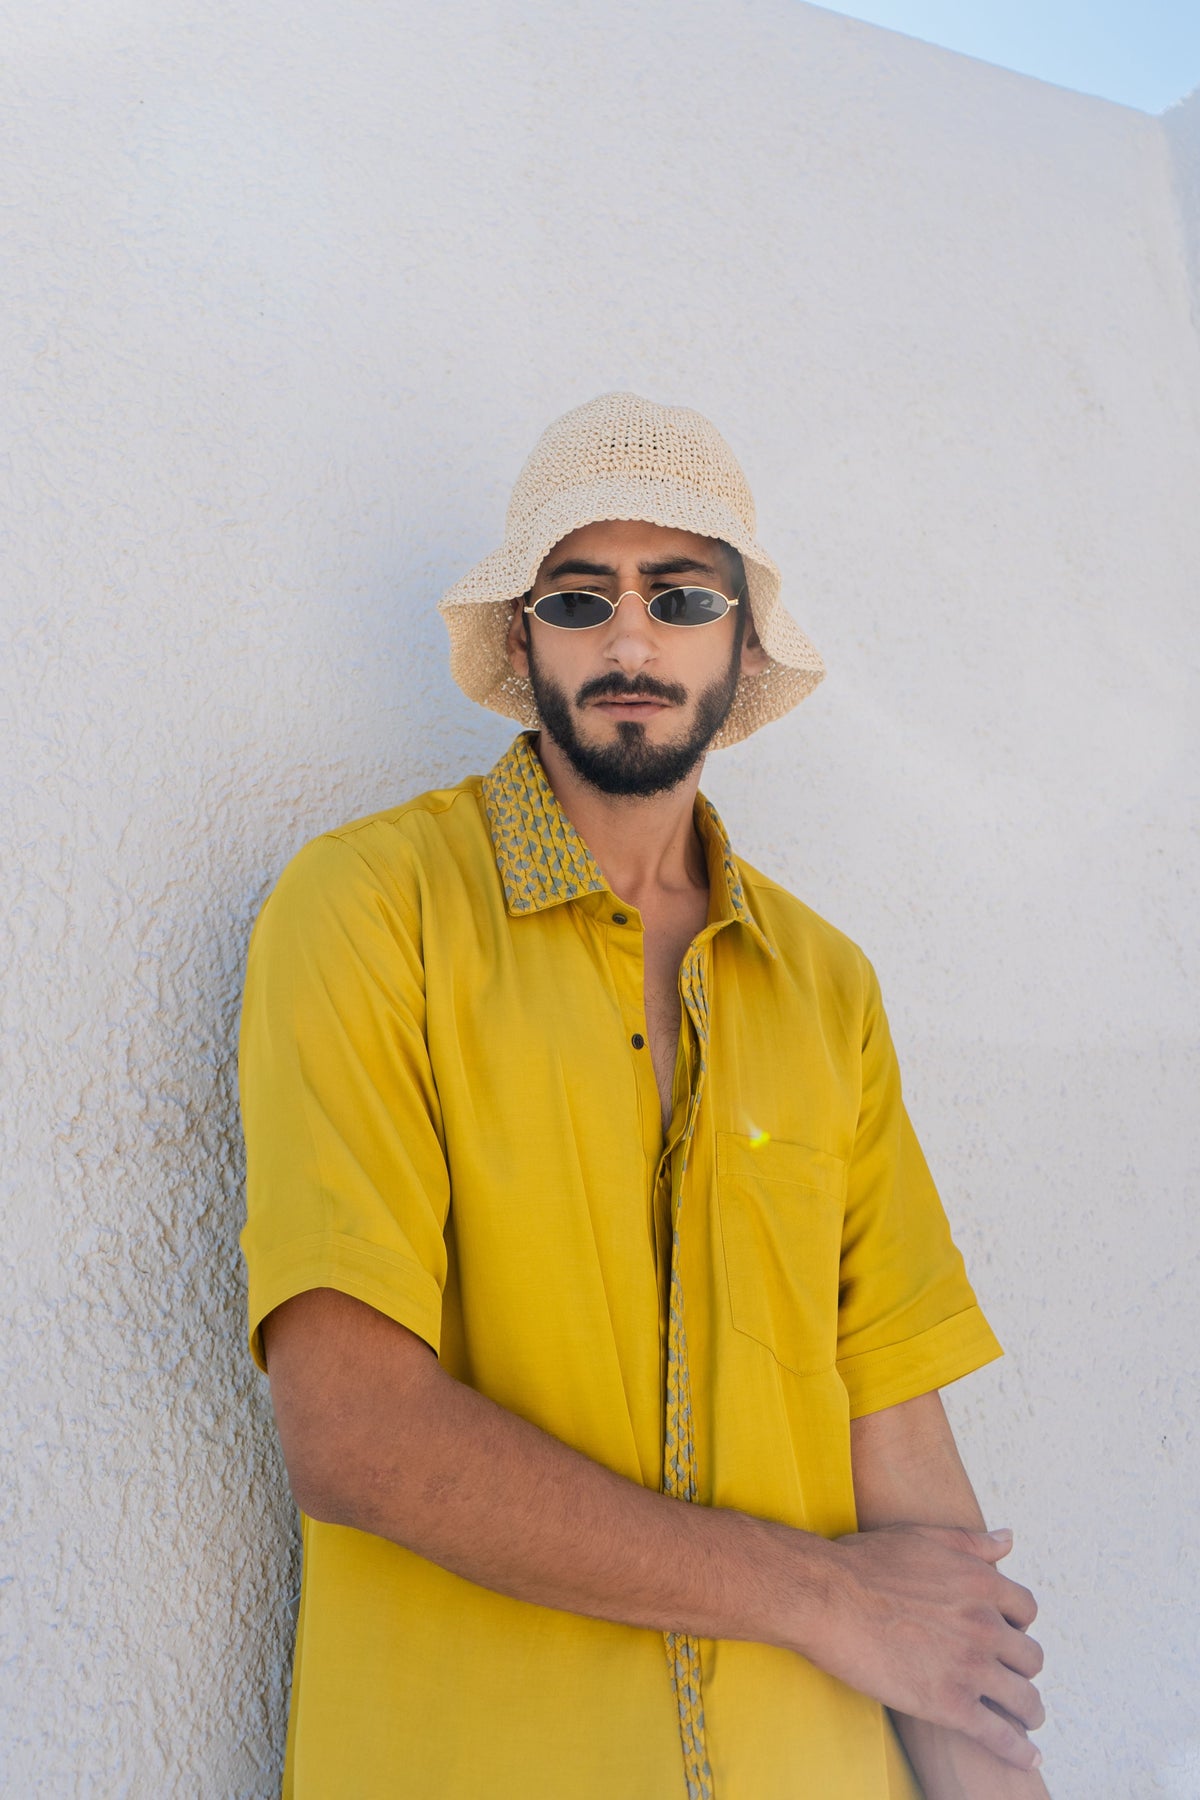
<point>638,708</point>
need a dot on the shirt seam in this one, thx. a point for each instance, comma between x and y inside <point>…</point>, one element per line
<point>964,1313</point>
<point>874,1381</point>
<point>389,891</point>
<point>339,1257</point>
<point>420,803</point>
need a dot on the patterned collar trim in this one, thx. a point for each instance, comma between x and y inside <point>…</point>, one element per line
<point>724,876</point>
<point>543,861</point>
<point>541,857</point>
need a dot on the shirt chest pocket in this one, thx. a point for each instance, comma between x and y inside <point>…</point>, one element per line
<point>781,1226</point>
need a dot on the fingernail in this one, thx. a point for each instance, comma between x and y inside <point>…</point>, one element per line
<point>1037,1759</point>
<point>1001,1536</point>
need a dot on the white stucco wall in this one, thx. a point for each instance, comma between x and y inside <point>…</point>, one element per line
<point>289,293</point>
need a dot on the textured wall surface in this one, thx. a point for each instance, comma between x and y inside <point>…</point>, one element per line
<point>288,293</point>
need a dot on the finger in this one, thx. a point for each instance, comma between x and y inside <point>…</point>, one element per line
<point>1017,1604</point>
<point>989,1545</point>
<point>997,1708</point>
<point>1002,1737</point>
<point>1017,1697</point>
<point>1022,1654</point>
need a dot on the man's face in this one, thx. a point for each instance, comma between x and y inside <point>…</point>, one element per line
<point>633,703</point>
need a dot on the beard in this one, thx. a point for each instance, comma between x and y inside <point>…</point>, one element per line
<point>632,766</point>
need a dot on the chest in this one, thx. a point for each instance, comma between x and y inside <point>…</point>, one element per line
<point>534,1083</point>
<point>666,941</point>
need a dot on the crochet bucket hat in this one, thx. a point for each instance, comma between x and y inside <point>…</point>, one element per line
<point>622,457</point>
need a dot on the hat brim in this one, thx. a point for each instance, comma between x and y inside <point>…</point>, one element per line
<point>478,608</point>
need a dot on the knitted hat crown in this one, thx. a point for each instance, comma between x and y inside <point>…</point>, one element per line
<point>622,457</point>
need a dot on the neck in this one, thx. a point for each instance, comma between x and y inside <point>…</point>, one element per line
<point>645,846</point>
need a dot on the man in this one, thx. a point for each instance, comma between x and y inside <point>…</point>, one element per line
<point>603,1289</point>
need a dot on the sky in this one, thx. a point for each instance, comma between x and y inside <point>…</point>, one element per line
<point>1143,53</point>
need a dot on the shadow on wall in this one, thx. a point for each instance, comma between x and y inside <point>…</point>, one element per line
<point>1181,125</point>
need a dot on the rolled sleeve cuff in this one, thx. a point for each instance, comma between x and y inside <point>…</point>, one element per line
<point>395,1285</point>
<point>897,1372</point>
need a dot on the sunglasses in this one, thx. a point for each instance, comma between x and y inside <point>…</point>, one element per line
<point>675,606</point>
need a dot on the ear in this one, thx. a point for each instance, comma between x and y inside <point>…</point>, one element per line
<point>754,657</point>
<point>516,641</point>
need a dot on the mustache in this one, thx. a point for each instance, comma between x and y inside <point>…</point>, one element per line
<point>614,686</point>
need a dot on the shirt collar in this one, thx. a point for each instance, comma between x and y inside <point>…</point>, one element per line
<point>543,861</point>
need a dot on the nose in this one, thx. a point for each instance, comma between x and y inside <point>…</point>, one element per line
<point>631,643</point>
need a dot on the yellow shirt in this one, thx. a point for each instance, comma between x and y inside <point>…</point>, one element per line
<point>451,1113</point>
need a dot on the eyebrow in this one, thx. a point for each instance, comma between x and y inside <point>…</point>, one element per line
<point>670,565</point>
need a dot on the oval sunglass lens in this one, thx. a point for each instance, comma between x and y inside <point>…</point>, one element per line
<point>573,612</point>
<point>689,606</point>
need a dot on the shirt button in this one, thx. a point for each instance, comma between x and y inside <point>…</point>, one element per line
<point>620,918</point>
<point>638,1041</point>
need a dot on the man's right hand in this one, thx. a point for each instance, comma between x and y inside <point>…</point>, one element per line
<point>918,1617</point>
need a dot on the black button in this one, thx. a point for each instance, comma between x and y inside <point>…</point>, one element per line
<point>638,1041</point>
<point>620,918</point>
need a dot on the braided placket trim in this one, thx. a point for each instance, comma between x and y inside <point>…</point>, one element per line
<point>679,1449</point>
<point>542,861</point>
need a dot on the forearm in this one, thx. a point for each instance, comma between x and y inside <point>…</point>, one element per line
<point>437,1467</point>
<point>950,1766</point>
<point>916,1475</point>
<point>505,1505</point>
<point>378,1437</point>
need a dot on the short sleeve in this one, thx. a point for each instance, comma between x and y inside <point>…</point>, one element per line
<point>346,1178</point>
<point>908,1320</point>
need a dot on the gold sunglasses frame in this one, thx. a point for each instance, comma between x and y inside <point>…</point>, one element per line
<point>672,624</point>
